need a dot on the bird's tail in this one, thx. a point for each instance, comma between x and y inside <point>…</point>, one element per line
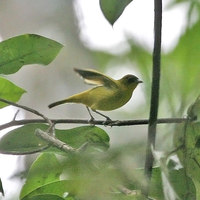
<point>72,99</point>
<point>57,103</point>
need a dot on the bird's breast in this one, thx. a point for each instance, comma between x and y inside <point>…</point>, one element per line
<point>106,99</point>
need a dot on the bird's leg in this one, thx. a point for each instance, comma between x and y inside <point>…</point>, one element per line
<point>107,118</point>
<point>91,117</point>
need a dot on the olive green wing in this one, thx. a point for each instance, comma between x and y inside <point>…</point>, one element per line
<point>94,77</point>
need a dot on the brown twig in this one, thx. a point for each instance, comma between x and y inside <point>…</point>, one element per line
<point>95,122</point>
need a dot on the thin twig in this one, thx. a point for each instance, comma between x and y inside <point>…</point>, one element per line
<point>58,143</point>
<point>15,116</point>
<point>95,122</point>
<point>154,91</point>
<point>27,109</point>
<point>51,124</point>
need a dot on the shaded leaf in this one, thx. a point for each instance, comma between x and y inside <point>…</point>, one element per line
<point>45,169</point>
<point>9,91</point>
<point>112,9</point>
<point>26,49</point>
<point>24,141</point>
<point>76,137</point>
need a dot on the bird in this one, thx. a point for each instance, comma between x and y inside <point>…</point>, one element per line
<point>108,93</point>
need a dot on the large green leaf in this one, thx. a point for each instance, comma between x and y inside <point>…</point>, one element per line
<point>45,170</point>
<point>188,138</point>
<point>24,141</point>
<point>76,137</point>
<point>9,91</point>
<point>59,188</point>
<point>26,49</point>
<point>112,9</point>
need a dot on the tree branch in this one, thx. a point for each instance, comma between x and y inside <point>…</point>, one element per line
<point>95,122</point>
<point>27,109</point>
<point>58,143</point>
<point>154,91</point>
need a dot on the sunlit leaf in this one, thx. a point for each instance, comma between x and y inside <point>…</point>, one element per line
<point>45,169</point>
<point>26,49</point>
<point>24,141</point>
<point>9,91</point>
<point>112,9</point>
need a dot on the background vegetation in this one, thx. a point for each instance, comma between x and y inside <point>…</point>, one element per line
<point>99,172</point>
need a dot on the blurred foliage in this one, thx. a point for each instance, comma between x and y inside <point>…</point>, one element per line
<point>187,141</point>
<point>103,174</point>
<point>179,75</point>
<point>193,8</point>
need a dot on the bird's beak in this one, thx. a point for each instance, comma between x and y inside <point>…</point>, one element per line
<point>139,81</point>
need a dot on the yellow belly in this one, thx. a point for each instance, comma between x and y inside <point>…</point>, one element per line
<point>102,98</point>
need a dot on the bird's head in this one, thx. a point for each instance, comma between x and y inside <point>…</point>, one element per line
<point>130,81</point>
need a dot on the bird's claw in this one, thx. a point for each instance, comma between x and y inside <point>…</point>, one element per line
<point>111,123</point>
<point>107,122</point>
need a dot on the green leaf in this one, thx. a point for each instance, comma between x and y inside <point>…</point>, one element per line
<point>112,9</point>
<point>24,141</point>
<point>78,136</point>
<point>194,110</point>
<point>45,197</point>
<point>26,49</point>
<point>59,188</point>
<point>188,137</point>
<point>9,91</point>
<point>45,170</point>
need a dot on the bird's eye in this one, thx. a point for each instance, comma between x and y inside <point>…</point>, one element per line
<point>132,79</point>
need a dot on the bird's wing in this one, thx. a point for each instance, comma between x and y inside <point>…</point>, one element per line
<point>94,77</point>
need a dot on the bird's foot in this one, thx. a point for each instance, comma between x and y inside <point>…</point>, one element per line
<point>111,123</point>
<point>107,122</point>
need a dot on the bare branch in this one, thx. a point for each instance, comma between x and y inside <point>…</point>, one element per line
<point>27,109</point>
<point>95,122</point>
<point>56,142</point>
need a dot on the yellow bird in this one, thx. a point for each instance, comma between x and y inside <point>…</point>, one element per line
<point>109,94</point>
